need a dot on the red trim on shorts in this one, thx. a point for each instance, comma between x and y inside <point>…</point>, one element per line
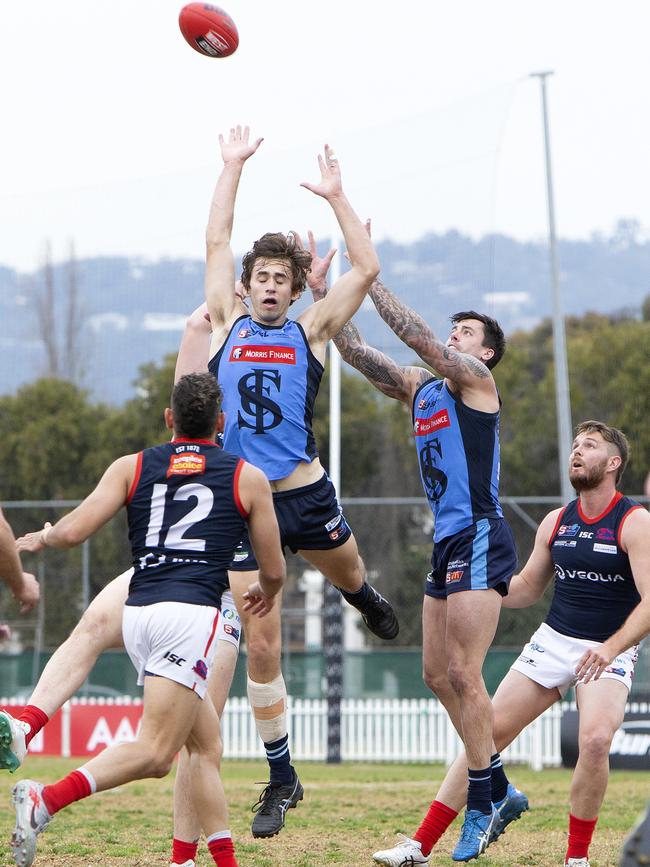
<point>617,496</point>
<point>214,629</point>
<point>235,489</point>
<point>620,526</point>
<point>549,543</point>
<point>136,478</point>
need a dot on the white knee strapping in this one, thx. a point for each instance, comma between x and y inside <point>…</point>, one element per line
<point>269,705</point>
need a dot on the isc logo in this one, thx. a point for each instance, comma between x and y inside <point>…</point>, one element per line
<point>172,657</point>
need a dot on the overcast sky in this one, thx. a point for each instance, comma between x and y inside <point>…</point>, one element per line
<point>110,120</point>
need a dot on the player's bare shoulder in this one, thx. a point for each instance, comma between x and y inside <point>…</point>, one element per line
<point>221,329</point>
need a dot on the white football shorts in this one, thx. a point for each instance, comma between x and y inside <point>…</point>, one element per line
<point>229,627</point>
<point>173,640</point>
<point>551,658</point>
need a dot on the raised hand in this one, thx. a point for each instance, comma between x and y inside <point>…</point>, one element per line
<point>330,176</point>
<point>238,148</point>
<point>317,275</point>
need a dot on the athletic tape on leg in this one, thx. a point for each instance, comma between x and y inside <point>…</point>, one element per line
<point>269,704</point>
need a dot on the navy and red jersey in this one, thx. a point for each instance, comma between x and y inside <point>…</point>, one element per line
<point>594,586</point>
<point>185,521</point>
<point>458,455</point>
<point>270,379</point>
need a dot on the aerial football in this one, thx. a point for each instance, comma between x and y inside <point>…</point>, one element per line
<point>208,29</point>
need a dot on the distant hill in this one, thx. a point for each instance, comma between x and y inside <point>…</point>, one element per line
<point>134,309</point>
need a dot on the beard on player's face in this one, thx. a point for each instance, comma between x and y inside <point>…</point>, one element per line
<point>587,478</point>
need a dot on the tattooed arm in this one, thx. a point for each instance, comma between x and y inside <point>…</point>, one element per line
<point>381,371</point>
<point>464,370</point>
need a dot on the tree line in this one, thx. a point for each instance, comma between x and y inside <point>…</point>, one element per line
<point>55,443</point>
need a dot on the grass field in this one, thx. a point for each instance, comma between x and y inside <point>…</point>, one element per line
<point>349,812</point>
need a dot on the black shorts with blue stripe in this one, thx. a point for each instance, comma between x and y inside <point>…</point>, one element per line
<point>480,557</point>
<point>309,518</point>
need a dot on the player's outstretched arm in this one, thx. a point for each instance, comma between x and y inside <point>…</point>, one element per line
<point>255,495</point>
<point>220,265</point>
<point>24,587</point>
<point>345,297</point>
<point>634,540</point>
<point>410,327</point>
<point>96,510</point>
<point>529,585</point>
<point>194,348</point>
<point>379,369</point>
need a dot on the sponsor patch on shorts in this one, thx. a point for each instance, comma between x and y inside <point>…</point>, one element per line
<point>454,576</point>
<point>201,669</point>
<point>238,556</point>
<point>229,629</point>
<point>333,523</point>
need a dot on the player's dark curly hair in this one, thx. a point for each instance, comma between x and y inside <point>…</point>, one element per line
<point>196,403</point>
<point>611,435</point>
<point>493,336</point>
<point>276,245</point>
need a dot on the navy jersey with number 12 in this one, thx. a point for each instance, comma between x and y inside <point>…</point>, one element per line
<point>185,521</point>
<point>270,380</point>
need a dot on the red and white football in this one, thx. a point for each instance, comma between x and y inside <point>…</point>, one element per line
<point>208,29</point>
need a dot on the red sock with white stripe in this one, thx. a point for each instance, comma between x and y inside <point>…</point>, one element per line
<point>438,818</point>
<point>76,786</point>
<point>580,833</point>
<point>183,851</point>
<point>35,719</point>
<point>222,849</point>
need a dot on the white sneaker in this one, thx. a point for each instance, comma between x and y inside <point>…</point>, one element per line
<point>12,741</point>
<point>32,817</point>
<point>184,864</point>
<point>405,854</point>
<point>576,862</point>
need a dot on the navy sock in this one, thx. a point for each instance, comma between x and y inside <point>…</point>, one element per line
<point>359,598</point>
<point>279,759</point>
<point>499,779</point>
<point>479,791</point>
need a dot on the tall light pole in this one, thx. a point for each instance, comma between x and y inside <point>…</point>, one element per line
<point>562,398</point>
<point>332,631</point>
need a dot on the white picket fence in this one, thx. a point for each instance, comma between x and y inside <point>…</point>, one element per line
<point>372,730</point>
<point>384,730</point>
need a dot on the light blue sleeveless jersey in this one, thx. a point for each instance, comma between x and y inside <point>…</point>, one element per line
<point>270,379</point>
<point>458,456</point>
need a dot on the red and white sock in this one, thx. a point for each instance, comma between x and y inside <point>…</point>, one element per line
<point>580,833</point>
<point>183,851</point>
<point>76,786</point>
<point>438,818</point>
<point>35,719</point>
<point>222,849</point>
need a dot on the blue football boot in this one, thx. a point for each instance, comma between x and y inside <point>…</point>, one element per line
<point>510,809</point>
<point>475,835</point>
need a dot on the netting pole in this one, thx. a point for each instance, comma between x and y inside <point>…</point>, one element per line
<point>562,399</point>
<point>332,602</point>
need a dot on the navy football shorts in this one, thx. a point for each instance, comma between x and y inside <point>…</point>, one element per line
<point>309,518</point>
<point>480,557</point>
